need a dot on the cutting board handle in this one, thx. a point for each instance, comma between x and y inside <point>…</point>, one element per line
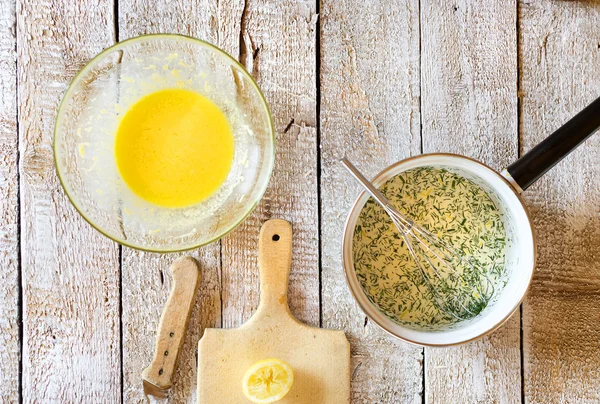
<point>275,260</point>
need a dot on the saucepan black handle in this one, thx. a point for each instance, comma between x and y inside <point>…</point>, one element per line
<point>555,147</point>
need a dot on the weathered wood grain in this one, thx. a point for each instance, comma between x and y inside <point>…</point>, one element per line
<point>469,107</point>
<point>278,47</point>
<point>560,61</point>
<point>252,26</point>
<point>9,207</point>
<point>146,286</point>
<point>469,79</point>
<point>369,112</point>
<point>146,279</point>
<point>70,271</point>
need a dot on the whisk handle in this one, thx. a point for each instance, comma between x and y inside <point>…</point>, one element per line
<point>370,188</point>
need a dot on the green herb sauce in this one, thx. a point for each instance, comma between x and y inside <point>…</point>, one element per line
<point>448,205</point>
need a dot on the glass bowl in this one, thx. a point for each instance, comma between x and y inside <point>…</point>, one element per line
<point>104,91</point>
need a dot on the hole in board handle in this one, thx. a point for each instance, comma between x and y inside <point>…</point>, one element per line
<point>275,237</point>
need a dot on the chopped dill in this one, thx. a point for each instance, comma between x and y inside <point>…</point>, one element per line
<point>450,206</point>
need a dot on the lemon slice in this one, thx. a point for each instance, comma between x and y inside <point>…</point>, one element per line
<point>267,381</point>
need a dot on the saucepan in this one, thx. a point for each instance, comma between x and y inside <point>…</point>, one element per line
<point>504,188</point>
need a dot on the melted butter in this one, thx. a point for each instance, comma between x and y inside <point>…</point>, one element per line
<point>174,148</point>
<point>452,208</point>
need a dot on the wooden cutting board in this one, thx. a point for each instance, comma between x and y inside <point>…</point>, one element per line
<point>319,358</point>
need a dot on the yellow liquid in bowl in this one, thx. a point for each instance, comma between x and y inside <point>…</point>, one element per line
<point>174,148</point>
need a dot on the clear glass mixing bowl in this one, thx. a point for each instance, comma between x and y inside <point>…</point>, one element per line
<point>103,92</point>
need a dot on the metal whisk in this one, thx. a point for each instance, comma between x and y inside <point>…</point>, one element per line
<point>458,286</point>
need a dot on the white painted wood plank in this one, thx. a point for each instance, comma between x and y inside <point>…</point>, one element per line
<point>70,271</point>
<point>278,48</point>
<point>9,207</point>
<point>560,61</point>
<point>469,79</point>
<point>221,24</point>
<point>369,112</point>
<point>146,285</point>
<point>146,279</point>
<point>469,107</point>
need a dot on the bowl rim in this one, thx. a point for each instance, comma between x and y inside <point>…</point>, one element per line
<point>176,37</point>
<point>349,266</point>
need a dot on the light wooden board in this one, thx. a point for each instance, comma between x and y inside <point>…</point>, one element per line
<point>560,61</point>
<point>69,271</point>
<point>277,46</point>
<point>146,279</point>
<point>369,112</point>
<point>469,107</point>
<point>9,208</point>
<point>320,359</point>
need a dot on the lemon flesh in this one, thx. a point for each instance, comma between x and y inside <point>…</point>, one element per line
<point>267,381</point>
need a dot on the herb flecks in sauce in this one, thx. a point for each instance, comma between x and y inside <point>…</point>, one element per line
<point>451,207</point>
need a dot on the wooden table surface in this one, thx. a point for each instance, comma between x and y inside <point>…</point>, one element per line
<point>375,80</point>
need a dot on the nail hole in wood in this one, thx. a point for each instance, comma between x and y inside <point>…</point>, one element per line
<point>355,370</point>
<point>275,237</point>
<point>288,126</point>
<point>160,372</point>
<point>166,353</point>
<point>172,334</point>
